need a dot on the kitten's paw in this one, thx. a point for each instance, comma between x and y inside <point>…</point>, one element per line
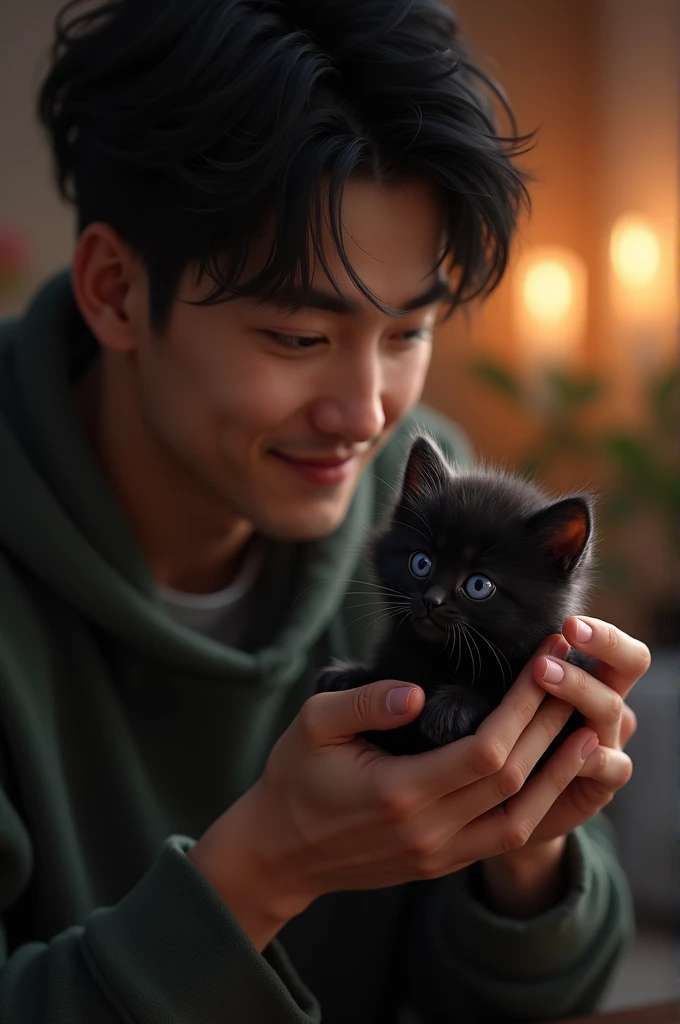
<point>452,712</point>
<point>342,676</point>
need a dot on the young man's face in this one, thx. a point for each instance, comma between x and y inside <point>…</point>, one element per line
<point>254,404</point>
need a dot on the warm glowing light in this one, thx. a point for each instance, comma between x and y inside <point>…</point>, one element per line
<point>548,290</point>
<point>635,251</point>
<point>550,299</point>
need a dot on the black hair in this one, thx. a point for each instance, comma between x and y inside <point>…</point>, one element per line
<point>186,125</point>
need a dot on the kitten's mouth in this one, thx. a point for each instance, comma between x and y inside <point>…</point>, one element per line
<point>427,627</point>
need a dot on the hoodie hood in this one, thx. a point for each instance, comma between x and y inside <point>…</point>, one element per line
<point>60,520</point>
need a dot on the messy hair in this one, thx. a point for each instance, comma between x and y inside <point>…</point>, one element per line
<point>189,127</point>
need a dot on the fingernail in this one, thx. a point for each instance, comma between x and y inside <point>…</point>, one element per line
<point>589,747</point>
<point>554,671</point>
<point>583,631</point>
<point>560,648</point>
<point>397,699</point>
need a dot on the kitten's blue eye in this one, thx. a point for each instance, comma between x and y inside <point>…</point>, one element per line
<point>479,587</point>
<point>420,564</point>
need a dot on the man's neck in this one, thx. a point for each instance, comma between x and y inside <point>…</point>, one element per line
<point>185,537</point>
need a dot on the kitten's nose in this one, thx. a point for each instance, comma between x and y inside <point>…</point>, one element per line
<point>434,597</point>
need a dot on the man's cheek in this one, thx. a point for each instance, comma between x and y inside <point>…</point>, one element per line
<point>255,407</point>
<point>412,382</point>
<point>408,396</point>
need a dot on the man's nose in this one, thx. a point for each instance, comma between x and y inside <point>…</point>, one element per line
<point>352,406</point>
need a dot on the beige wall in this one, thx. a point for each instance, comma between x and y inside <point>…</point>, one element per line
<point>26,193</point>
<point>599,79</point>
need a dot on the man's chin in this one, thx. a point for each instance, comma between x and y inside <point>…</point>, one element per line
<point>305,527</point>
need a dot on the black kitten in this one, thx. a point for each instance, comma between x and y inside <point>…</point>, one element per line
<point>479,567</point>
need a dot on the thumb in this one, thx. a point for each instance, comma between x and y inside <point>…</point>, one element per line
<point>338,716</point>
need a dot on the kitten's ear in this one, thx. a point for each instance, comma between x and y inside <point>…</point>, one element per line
<point>426,469</point>
<point>564,529</point>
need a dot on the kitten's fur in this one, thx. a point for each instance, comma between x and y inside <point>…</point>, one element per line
<point>465,653</point>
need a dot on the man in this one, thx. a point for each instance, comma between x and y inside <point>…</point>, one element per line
<point>199,422</point>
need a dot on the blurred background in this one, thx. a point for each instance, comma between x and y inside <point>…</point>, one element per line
<point>569,371</point>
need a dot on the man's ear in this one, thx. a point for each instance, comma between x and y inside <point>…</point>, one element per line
<point>105,279</point>
<point>426,469</point>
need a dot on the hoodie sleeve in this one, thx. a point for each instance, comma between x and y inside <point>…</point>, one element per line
<point>170,951</point>
<point>465,963</point>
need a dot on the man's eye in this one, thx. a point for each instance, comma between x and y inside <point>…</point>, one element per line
<point>294,341</point>
<point>422,334</point>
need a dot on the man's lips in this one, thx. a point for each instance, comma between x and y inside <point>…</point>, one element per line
<point>325,471</point>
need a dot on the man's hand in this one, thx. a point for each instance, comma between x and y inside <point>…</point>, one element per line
<point>527,881</point>
<point>333,812</point>
<point>600,698</point>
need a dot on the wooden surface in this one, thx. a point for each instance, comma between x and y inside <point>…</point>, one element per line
<point>660,1013</point>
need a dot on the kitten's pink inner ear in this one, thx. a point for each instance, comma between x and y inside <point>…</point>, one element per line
<point>570,538</point>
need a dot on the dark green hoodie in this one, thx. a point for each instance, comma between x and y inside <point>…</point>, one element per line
<point>123,735</point>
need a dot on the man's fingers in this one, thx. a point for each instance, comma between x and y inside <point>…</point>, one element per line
<point>336,717</point>
<point>623,659</point>
<point>508,721</point>
<point>628,724</point>
<point>481,796</point>
<point>509,826</point>
<point>599,703</point>
<point>435,773</point>
<point>609,767</point>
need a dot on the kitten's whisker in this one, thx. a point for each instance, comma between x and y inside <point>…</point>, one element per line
<point>450,637</point>
<point>493,651</point>
<point>474,664</point>
<point>465,637</point>
<point>496,651</point>
<point>373,580</point>
<point>388,483</point>
<point>507,662</point>
<point>397,493</point>
<point>378,604</point>
<point>403,619</point>
<point>423,518</point>
<point>377,585</point>
<point>386,615</point>
<point>416,512</point>
<point>452,632</point>
<point>327,583</point>
<point>459,645</point>
<point>476,646</point>
<point>484,551</point>
<point>364,616</point>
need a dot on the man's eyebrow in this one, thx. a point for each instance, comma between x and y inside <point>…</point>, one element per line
<point>331,302</point>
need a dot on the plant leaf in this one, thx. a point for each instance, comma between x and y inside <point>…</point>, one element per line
<point>663,397</point>
<point>573,392</point>
<point>633,457</point>
<point>499,378</point>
